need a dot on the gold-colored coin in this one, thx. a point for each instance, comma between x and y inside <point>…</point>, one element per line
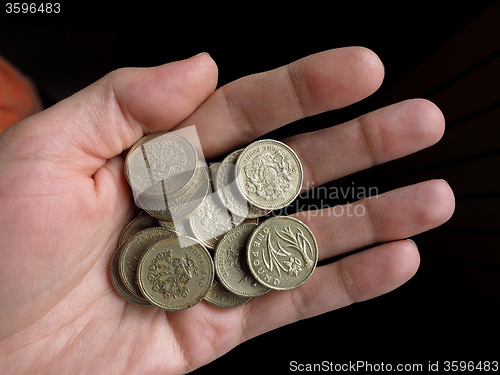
<point>221,297</point>
<point>142,221</point>
<point>226,187</point>
<point>181,204</point>
<point>132,251</point>
<point>282,253</point>
<point>269,174</point>
<point>231,264</point>
<point>160,164</point>
<point>118,283</point>
<point>162,258</point>
<point>174,276</point>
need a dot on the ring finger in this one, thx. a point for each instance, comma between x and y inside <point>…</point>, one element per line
<point>395,215</point>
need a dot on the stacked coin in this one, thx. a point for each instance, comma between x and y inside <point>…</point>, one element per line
<point>163,256</point>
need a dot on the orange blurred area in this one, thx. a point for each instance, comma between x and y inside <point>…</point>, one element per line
<point>18,96</point>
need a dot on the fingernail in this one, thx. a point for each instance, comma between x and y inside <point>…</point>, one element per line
<point>201,53</point>
<point>413,242</point>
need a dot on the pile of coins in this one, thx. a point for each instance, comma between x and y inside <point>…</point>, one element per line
<point>198,235</point>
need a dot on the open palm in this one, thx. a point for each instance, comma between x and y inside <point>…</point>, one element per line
<point>64,202</point>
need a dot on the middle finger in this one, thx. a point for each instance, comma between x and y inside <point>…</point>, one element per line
<point>375,138</point>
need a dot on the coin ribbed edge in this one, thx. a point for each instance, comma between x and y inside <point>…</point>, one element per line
<point>121,261</point>
<point>125,235</point>
<point>120,287</point>
<point>252,211</point>
<point>240,301</point>
<point>218,250</point>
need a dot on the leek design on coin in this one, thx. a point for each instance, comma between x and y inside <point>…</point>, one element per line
<point>162,258</point>
<point>282,253</point>
<point>269,174</point>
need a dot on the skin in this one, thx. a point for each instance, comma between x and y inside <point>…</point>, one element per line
<point>65,201</point>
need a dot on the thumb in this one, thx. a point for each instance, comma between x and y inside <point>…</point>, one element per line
<point>104,119</point>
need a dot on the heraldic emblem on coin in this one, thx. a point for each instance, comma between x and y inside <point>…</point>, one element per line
<point>269,176</point>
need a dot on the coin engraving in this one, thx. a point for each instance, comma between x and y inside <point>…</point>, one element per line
<point>280,259</point>
<point>226,187</point>
<point>132,251</point>
<point>269,174</point>
<point>171,267</point>
<point>211,222</point>
<point>221,297</point>
<point>165,159</point>
<point>282,253</point>
<point>169,276</point>
<point>160,163</point>
<point>175,277</point>
<point>180,204</point>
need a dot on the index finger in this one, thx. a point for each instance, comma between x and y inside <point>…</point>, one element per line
<point>254,105</point>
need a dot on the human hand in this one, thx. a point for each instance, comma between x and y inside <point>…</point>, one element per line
<point>65,201</point>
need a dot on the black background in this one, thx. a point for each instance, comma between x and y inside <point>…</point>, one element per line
<point>449,310</point>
